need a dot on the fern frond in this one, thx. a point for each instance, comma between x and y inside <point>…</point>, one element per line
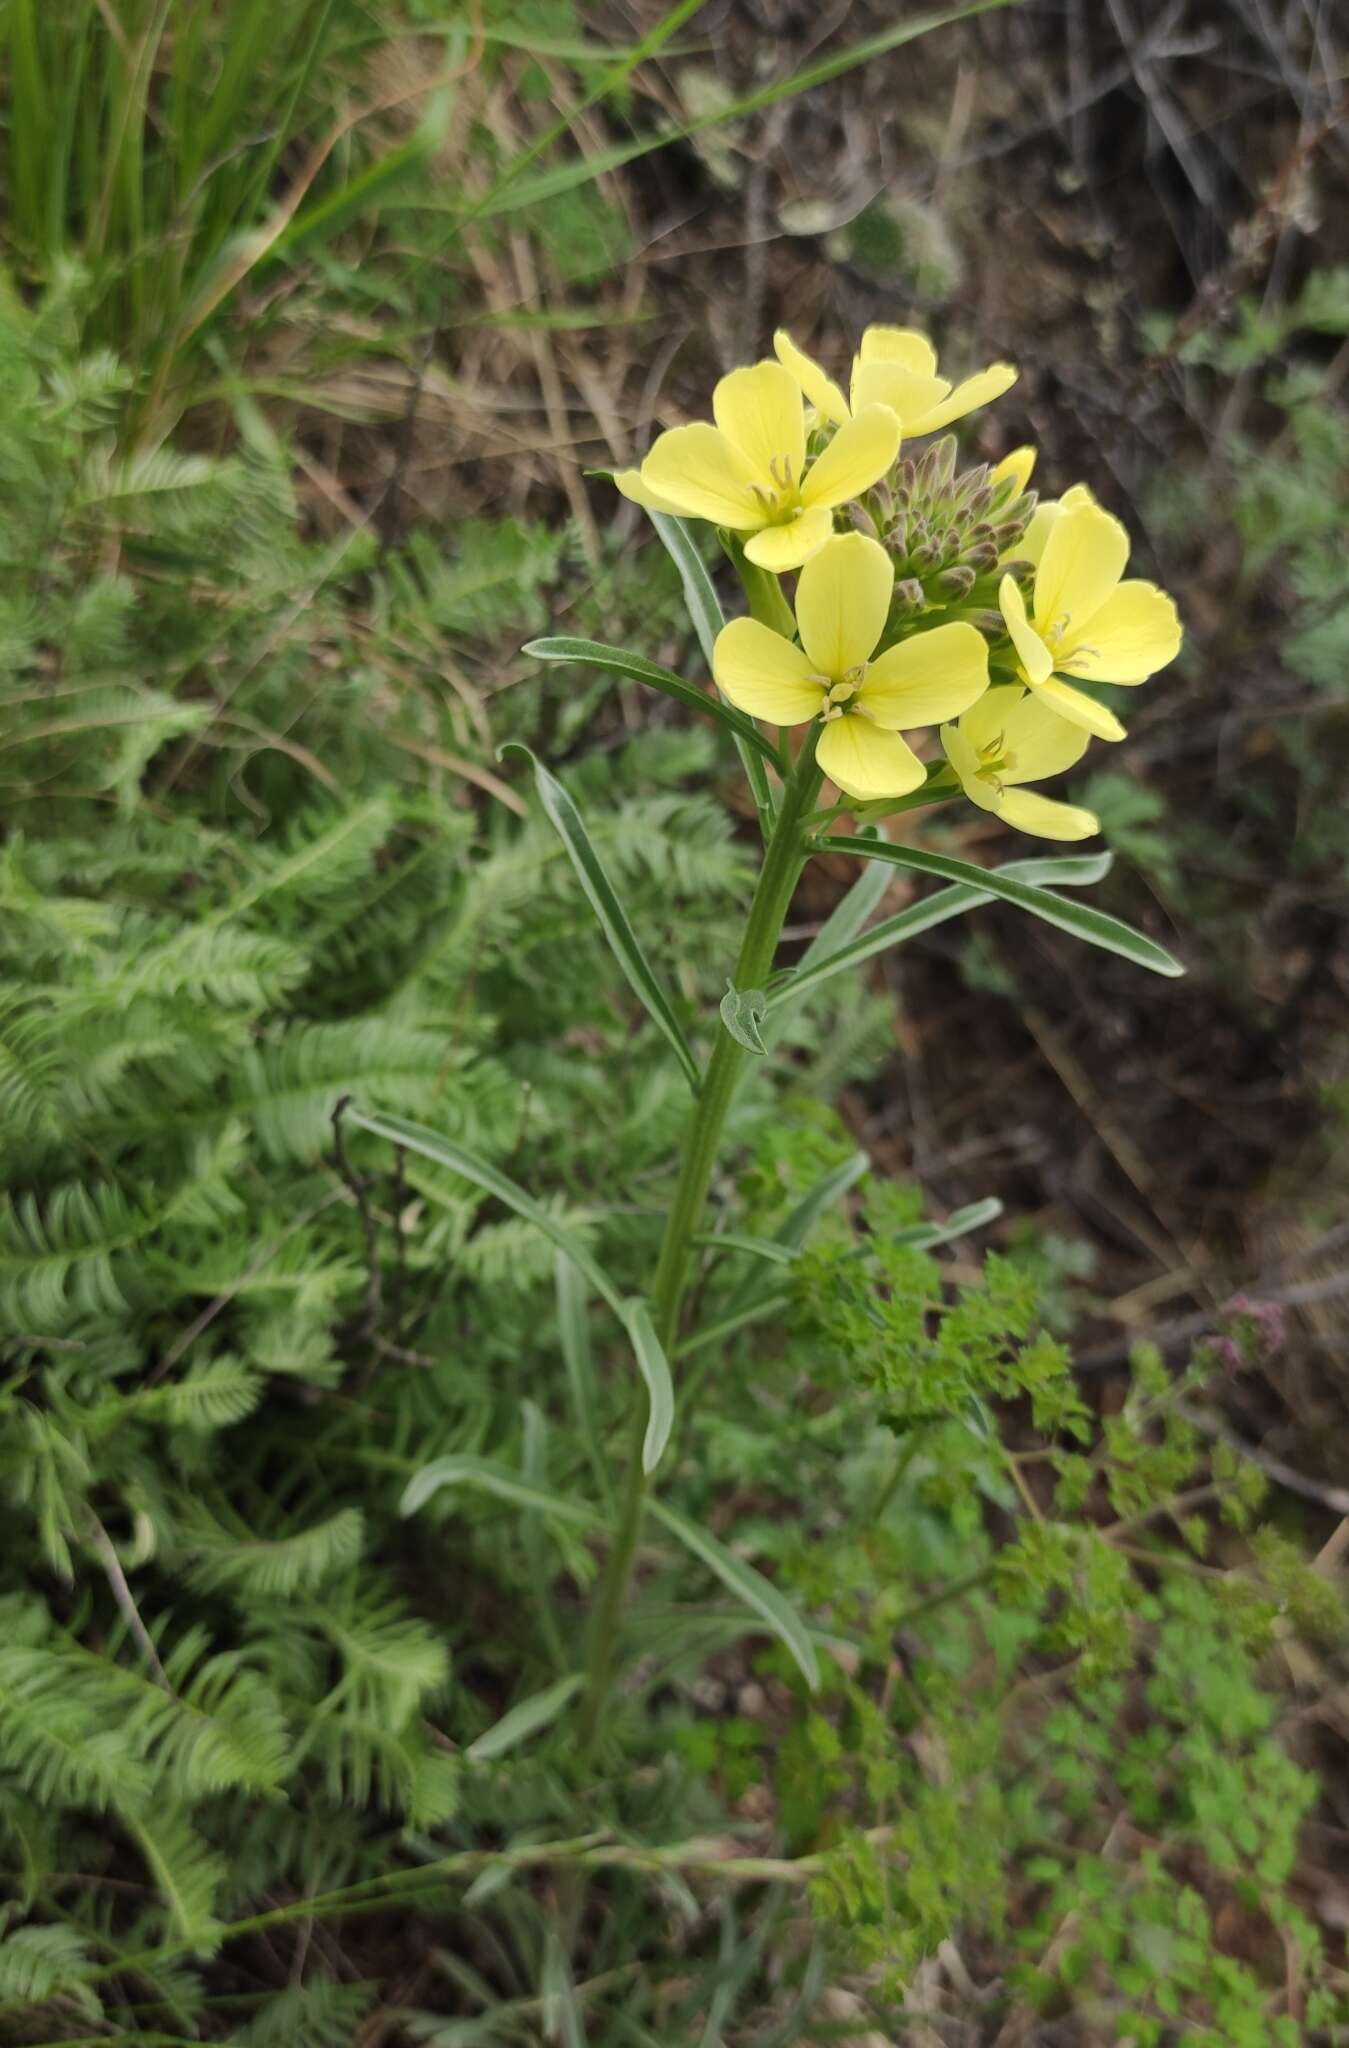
<point>325,853</point>
<point>291,1086</point>
<point>38,1963</point>
<point>210,1396</point>
<point>277,1567</point>
<point>55,1744</point>
<point>316,2014</point>
<point>203,963</point>
<point>188,1875</point>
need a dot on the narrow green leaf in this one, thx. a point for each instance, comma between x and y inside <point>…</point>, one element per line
<point>830,1188</point>
<point>757,1310</point>
<point>1094,926</point>
<point>741,1241</point>
<point>655,1370</point>
<point>603,900</point>
<point>848,916</point>
<point>742,1012</point>
<point>528,192</point>
<point>458,1469</point>
<point>819,963</point>
<point>700,600</point>
<point>573,1325</point>
<point>367,188</point>
<point>595,654</point>
<point>757,1592</point>
<point>400,1130</point>
<point>524,1719</point>
<point>924,1237</point>
<point>533,1535</point>
<point>792,1232</point>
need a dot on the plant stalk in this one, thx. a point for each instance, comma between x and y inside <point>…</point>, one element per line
<point>783,860</point>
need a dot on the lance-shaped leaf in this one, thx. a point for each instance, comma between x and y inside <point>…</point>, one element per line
<point>603,900</point>
<point>741,1241</point>
<point>700,600</point>
<point>525,1718</point>
<point>488,1476</point>
<point>573,1326</point>
<point>655,1370</point>
<point>400,1130</point>
<point>758,1593</point>
<point>1094,926</point>
<point>596,654</point>
<point>925,1237</point>
<point>820,962</point>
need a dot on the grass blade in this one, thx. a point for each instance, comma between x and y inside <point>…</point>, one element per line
<point>925,1237</point>
<point>512,192</point>
<point>459,1469</point>
<point>1110,933</point>
<point>574,1332</point>
<point>741,1241</point>
<point>655,1370</point>
<point>595,654</point>
<point>430,1144</point>
<point>758,1593</point>
<point>524,1719</point>
<point>613,919</point>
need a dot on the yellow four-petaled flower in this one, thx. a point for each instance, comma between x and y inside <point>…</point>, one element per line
<point>1009,738</point>
<point>842,602</point>
<point>750,472</point>
<point>895,367</point>
<point>1084,621</point>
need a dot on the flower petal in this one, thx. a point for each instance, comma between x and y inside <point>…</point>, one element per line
<point>856,458</point>
<point>988,720</point>
<point>1040,815</point>
<point>699,471</point>
<point>841,602</point>
<point>908,393</point>
<point>1133,634</point>
<point>1036,660</point>
<point>866,762</point>
<point>1032,544</point>
<point>764,674</point>
<point>1038,741</point>
<point>1079,709</point>
<point>780,548</point>
<point>1082,562</point>
<point>929,677</point>
<point>961,753</point>
<point>1020,464</point>
<point>759,410</point>
<point>975,391</point>
<point>902,345</point>
<point>629,482</point>
<point>821,391</point>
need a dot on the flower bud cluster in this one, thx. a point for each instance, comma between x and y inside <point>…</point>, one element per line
<point>946,529</point>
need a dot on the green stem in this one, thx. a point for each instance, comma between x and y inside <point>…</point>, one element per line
<point>783,860</point>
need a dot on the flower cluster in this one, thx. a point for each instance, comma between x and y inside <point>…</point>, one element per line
<point>925,596</point>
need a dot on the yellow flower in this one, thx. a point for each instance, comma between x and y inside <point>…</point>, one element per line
<point>895,366</point>
<point>1084,621</point>
<point>842,602</point>
<point>1019,464</point>
<point>1032,543</point>
<point>1010,738</point>
<point>750,471</point>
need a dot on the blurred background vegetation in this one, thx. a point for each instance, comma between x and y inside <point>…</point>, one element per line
<point>315,315</point>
